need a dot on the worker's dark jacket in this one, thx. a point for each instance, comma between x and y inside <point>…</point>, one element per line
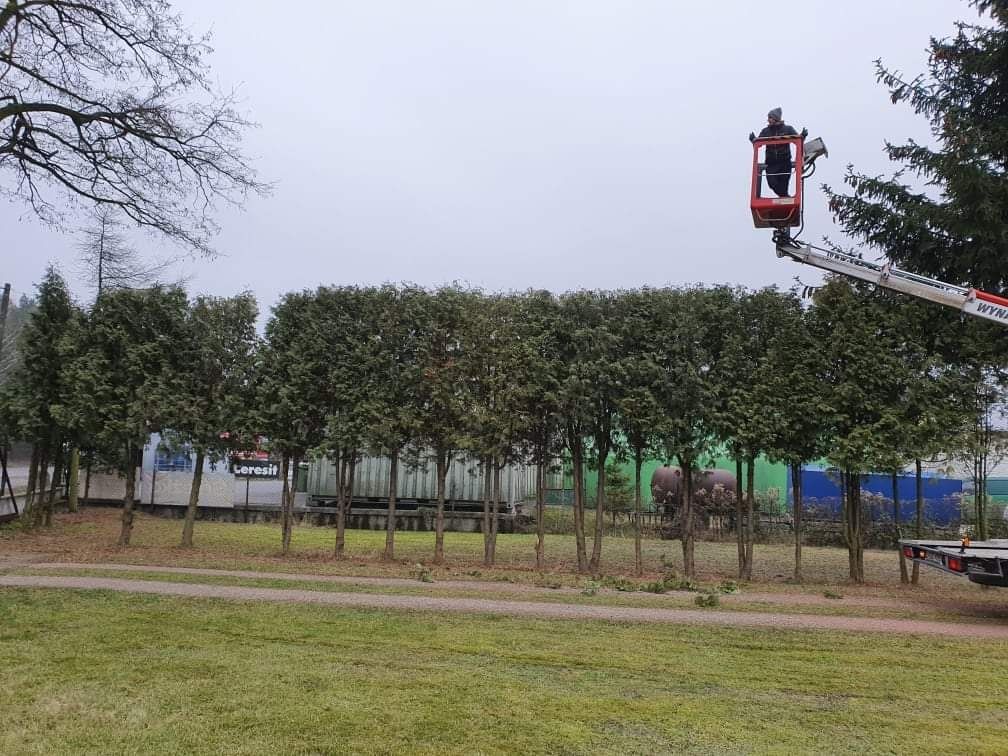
<point>778,156</point>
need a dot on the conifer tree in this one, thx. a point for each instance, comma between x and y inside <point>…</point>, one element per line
<point>124,379</point>
<point>215,384</point>
<point>32,399</point>
<point>291,378</point>
<point>942,212</point>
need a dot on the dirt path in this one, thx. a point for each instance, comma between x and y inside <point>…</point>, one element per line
<point>517,608</point>
<point>793,599</point>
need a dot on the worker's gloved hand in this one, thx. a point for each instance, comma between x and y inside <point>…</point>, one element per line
<point>752,137</point>
<point>804,133</point>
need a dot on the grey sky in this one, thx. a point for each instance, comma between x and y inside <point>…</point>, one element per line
<point>529,144</point>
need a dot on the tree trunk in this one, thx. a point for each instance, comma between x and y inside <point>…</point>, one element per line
<point>54,487</point>
<point>980,463</point>
<point>291,491</point>
<point>344,496</point>
<point>638,559</point>
<point>443,460</point>
<point>853,530</point>
<point>541,513</point>
<point>42,485</point>
<point>750,515</point>
<point>33,471</point>
<point>844,506</point>
<point>194,492</point>
<point>285,498</point>
<point>494,509</point>
<point>87,475</point>
<point>596,557</point>
<point>347,502</point>
<point>129,497</point>
<point>390,520</point>
<point>739,517</point>
<point>689,569</point>
<point>980,493</point>
<point>796,488</point>
<point>487,494</point>
<point>859,530</point>
<point>577,460</point>
<point>340,463</point>
<point>73,478</point>
<point>976,494</point>
<point>904,575</point>
<point>919,516</point>
<point>295,471</point>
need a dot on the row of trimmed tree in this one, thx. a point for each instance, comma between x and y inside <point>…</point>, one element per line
<point>869,381</point>
<point>100,382</point>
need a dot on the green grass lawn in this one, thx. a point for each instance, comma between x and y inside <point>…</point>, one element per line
<point>91,537</point>
<point>101,672</point>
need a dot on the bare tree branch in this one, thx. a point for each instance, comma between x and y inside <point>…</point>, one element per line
<point>109,103</point>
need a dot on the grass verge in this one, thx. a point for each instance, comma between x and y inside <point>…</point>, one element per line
<point>103,672</point>
<point>90,536</point>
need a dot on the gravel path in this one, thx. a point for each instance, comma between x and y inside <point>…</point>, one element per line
<point>517,608</point>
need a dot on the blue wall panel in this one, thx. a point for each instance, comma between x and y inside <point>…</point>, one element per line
<point>822,497</point>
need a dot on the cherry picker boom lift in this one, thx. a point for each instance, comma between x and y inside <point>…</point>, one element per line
<point>782,213</point>
<point>984,562</point>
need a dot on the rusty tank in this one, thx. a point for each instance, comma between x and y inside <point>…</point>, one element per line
<point>667,486</point>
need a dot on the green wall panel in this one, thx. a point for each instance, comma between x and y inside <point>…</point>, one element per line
<point>768,476</point>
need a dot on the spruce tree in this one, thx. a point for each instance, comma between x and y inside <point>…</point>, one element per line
<point>943,212</point>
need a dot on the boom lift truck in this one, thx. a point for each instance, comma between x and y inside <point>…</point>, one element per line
<point>983,562</point>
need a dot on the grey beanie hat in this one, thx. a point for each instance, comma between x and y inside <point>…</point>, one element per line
<point>776,113</point>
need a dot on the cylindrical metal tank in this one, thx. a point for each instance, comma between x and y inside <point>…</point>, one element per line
<point>667,483</point>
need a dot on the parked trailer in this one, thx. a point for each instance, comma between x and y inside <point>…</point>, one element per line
<point>983,562</point>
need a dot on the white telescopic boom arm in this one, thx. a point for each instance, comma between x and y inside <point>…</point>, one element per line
<point>970,301</point>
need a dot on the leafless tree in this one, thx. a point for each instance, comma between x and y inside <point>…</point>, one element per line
<point>110,103</point>
<point>108,259</point>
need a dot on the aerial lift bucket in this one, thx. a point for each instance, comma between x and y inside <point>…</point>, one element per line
<point>776,211</point>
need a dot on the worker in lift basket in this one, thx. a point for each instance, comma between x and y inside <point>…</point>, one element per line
<point>778,156</point>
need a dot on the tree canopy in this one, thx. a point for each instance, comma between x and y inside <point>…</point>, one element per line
<point>859,377</point>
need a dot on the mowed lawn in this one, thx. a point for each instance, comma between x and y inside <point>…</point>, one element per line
<point>95,672</point>
<point>91,536</point>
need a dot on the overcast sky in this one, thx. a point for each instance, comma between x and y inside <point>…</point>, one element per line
<point>517,144</point>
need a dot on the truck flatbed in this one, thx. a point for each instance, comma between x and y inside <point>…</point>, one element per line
<point>983,562</point>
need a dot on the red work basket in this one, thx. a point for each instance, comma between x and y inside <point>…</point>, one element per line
<point>773,211</point>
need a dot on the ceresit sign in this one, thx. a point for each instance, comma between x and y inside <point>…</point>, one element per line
<point>255,468</point>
